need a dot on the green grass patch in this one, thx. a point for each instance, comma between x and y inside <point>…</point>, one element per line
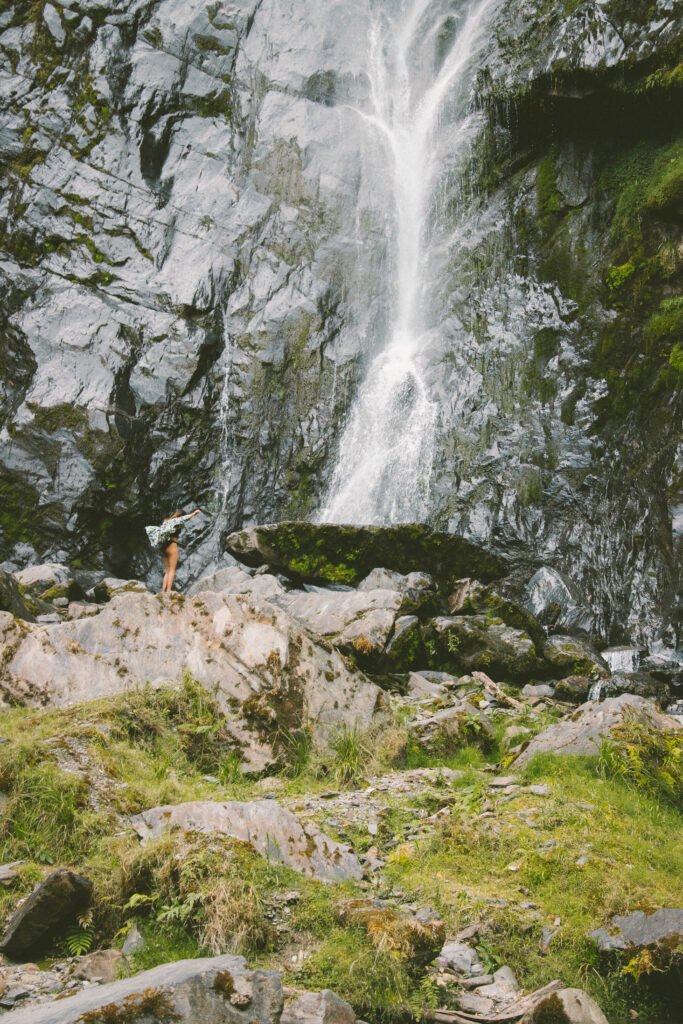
<point>598,847</point>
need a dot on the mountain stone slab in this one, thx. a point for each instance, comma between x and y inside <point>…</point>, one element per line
<point>347,554</point>
<point>639,930</point>
<point>273,831</point>
<point>218,989</point>
<point>582,732</point>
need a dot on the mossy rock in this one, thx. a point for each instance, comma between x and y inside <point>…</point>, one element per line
<point>13,599</point>
<point>346,554</point>
<point>470,597</point>
<point>568,655</point>
<point>478,643</point>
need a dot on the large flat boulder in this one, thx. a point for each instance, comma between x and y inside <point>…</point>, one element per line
<point>269,677</point>
<point>273,831</point>
<point>346,554</point>
<point>318,1008</point>
<point>218,989</point>
<point>582,732</point>
<point>52,906</point>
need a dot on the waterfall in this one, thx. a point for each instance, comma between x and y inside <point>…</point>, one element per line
<point>595,692</point>
<point>386,451</point>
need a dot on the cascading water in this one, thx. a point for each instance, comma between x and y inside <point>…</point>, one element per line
<point>387,448</point>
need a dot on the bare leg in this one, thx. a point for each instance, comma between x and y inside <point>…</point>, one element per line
<point>170,564</point>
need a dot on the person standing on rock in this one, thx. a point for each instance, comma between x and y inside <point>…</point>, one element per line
<point>165,538</point>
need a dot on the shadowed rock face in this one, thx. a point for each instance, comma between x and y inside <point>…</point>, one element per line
<point>52,906</point>
<point>269,677</point>
<point>197,250</point>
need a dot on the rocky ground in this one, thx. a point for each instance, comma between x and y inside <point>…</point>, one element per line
<point>405,788</point>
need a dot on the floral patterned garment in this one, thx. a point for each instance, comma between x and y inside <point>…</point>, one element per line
<point>160,536</point>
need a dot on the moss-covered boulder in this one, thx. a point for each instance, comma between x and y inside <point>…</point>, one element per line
<point>569,656</point>
<point>347,554</point>
<point>470,597</point>
<point>470,643</point>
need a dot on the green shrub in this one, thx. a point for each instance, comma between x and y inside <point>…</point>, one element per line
<point>647,758</point>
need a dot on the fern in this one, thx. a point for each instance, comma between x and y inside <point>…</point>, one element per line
<point>79,938</point>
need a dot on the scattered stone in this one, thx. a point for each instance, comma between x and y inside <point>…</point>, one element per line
<point>318,1008</point>
<point>15,601</point>
<point>548,933</point>
<point>470,643</point>
<point>134,941</point>
<point>420,686</point>
<point>470,597</point>
<point>569,1005</point>
<point>644,684</point>
<point>9,872</point>
<point>574,689</point>
<point>538,789</point>
<point>446,729</point>
<point>460,958</point>
<point>105,965</point>
<point>417,589</point>
<point>47,580</point>
<point>475,1004</point>
<point>273,831</point>
<point>504,987</point>
<point>582,732</point>
<point>111,587</point>
<point>639,930</point>
<point>538,691</point>
<point>503,781</point>
<point>54,904</point>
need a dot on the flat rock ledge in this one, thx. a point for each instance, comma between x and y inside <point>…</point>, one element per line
<point>273,831</point>
<point>346,554</point>
<point>217,989</point>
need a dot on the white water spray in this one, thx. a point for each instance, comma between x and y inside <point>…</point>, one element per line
<point>387,448</point>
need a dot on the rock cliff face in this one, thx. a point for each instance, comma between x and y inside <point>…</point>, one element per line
<point>197,258</point>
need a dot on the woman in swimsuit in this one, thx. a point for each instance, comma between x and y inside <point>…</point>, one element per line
<point>165,537</point>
